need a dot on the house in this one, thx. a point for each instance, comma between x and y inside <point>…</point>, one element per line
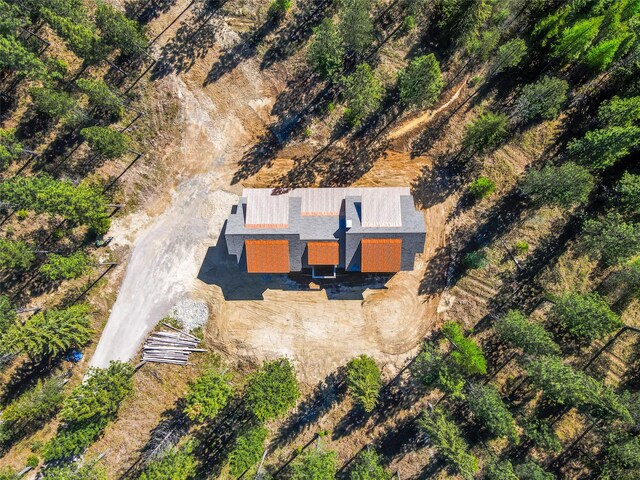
<point>373,230</point>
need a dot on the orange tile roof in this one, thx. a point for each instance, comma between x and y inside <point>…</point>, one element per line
<point>381,255</point>
<point>323,253</point>
<point>267,256</point>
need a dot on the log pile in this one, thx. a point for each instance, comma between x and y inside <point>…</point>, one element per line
<point>170,347</point>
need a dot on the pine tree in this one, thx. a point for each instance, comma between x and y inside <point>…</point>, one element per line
<point>272,390</point>
<point>619,112</point>
<point>314,464</point>
<point>486,132</point>
<point>532,471</point>
<point>8,315</point>
<point>208,395</point>
<point>586,317</point>
<point>76,471</point>
<point>326,50</point>
<point>118,31</point>
<point>10,148</point>
<point>420,83</point>
<point>601,55</point>
<point>356,27</point>
<point>516,330</point>
<point>576,39</point>
<point>102,97</point>
<point>563,186</point>
<point>510,54</point>
<point>602,148</point>
<point>466,353</point>
<point>175,464</point>
<point>15,254</point>
<point>490,412</point>
<point>501,471</point>
<point>14,56</point>
<point>247,451</point>
<point>542,99</point>
<point>364,381</point>
<point>59,267</point>
<point>627,193</point>
<point>368,466</point>
<point>54,104</point>
<point>612,239</point>
<point>106,141</point>
<point>363,94</point>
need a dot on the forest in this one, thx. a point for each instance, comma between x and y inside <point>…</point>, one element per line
<point>529,113</point>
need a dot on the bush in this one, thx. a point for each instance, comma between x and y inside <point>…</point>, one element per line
<point>475,260</point>
<point>491,413</point>
<point>420,83</point>
<point>466,353</point>
<point>542,99</point>
<point>280,7</point>
<point>368,466</point>
<point>612,239</point>
<point>247,451</point>
<point>58,267</point>
<point>520,247</point>
<point>208,395</point>
<point>486,132</point>
<point>586,317</point>
<point>561,186</point>
<point>314,464</point>
<point>106,141</point>
<point>364,381</point>
<point>516,330</point>
<point>447,439</point>
<point>481,188</point>
<point>33,461</point>
<point>272,390</point>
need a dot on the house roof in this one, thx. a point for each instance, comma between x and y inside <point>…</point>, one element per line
<point>381,255</point>
<point>379,206</point>
<point>323,253</point>
<point>267,256</point>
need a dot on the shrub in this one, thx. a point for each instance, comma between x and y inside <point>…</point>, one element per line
<point>475,260</point>
<point>272,390</point>
<point>466,353</point>
<point>486,132</point>
<point>364,381</point>
<point>491,413</point>
<point>280,7</point>
<point>106,141</point>
<point>247,451</point>
<point>33,461</point>
<point>481,188</point>
<point>520,247</point>
<point>208,395</point>
<point>542,99</point>
<point>447,439</point>
<point>586,317</point>
<point>420,83</point>
<point>58,267</point>
<point>516,330</point>
<point>561,186</point>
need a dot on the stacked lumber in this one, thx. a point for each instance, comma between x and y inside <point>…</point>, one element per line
<point>170,347</point>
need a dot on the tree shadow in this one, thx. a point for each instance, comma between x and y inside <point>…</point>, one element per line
<point>191,42</point>
<point>326,394</point>
<point>147,10</point>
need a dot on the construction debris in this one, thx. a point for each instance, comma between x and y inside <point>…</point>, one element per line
<point>170,347</point>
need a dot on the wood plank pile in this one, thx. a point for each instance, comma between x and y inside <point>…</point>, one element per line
<point>170,347</point>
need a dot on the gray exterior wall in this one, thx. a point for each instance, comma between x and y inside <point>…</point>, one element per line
<point>302,229</point>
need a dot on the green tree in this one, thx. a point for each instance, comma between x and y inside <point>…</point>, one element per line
<point>363,93</point>
<point>15,254</point>
<point>364,381</point>
<point>54,104</point>
<point>516,330</point>
<point>475,260</point>
<point>482,187</point>
<point>100,395</point>
<point>622,457</point>
<point>490,412</point>
<point>101,96</point>
<point>368,466</point>
<point>11,17</point>
<point>74,471</point>
<point>466,353</point>
<point>420,82</point>
<point>280,7</point>
<point>118,31</point>
<point>542,99</point>
<point>314,465</point>
<point>601,55</point>
<point>84,203</point>
<point>272,390</point>
<point>510,54</point>
<point>501,471</point>
<point>432,368</point>
<point>601,148</point>
<point>10,148</point>
<point>541,433</point>
<point>576,39</point>
<point>447,439</point>
<point>611,239</point>
<point>175,464</point>
<point>14,56</point>
<point>50,333</point>
<point>532,471</point>
<point>356,27</point>
<point>8,314</point>
<point>106,141</point>
<point>585,316</point>
<point>562,186</point>
<point>619,112</point>
<point>486,132</point>
<point>59,267</point>
<point>73,439</point>
<point>32,409</point>
<point>326,50</point>
<point>627,192</point>
<point>208,395</point>
<point>548,29</point>
<point>247,451</point>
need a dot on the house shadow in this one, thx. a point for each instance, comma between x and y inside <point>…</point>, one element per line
<point>222,269</point>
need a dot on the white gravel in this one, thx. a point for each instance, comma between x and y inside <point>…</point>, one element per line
<point>190,313</point>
